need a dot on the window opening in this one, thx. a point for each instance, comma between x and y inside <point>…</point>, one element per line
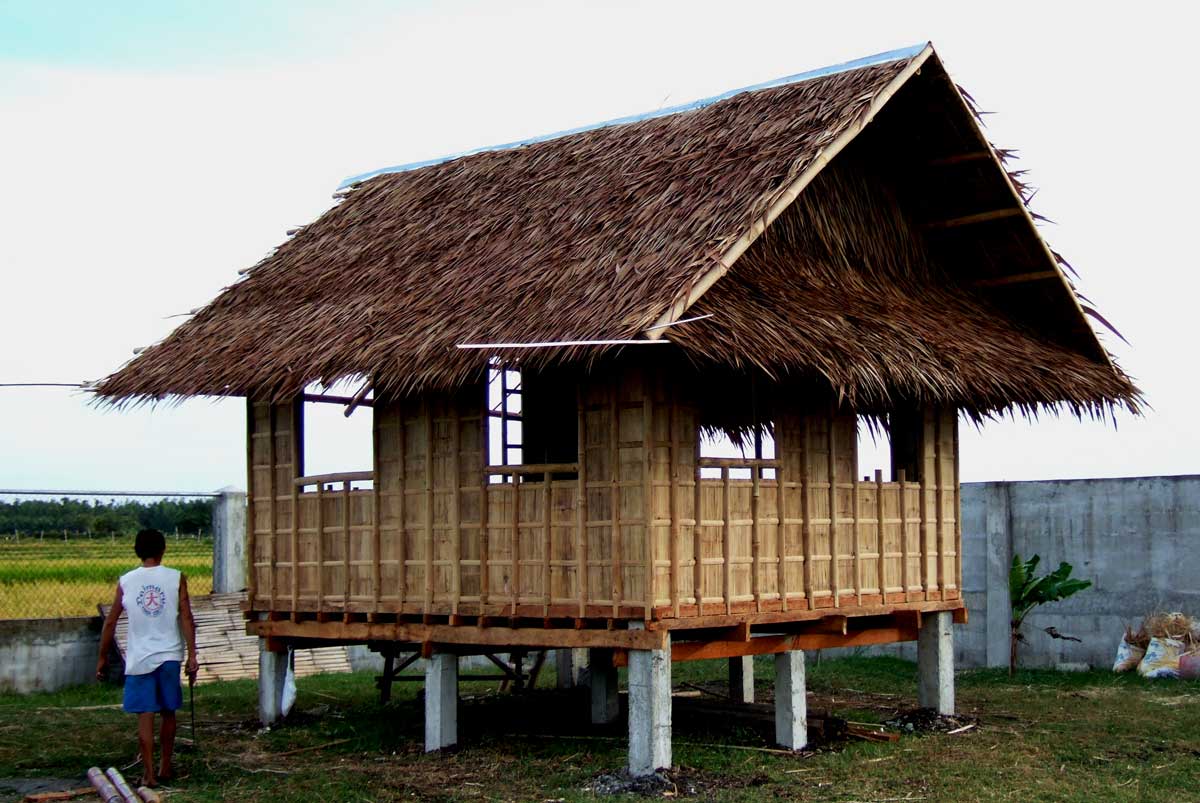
<point>505,426</point>
<point>874,449</point>
<point>333,442</point>
<point>758,445</point>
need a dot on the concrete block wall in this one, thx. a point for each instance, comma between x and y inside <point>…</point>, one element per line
<point>48,654</point>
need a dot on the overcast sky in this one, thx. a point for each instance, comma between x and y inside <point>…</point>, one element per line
<point>150,151</point>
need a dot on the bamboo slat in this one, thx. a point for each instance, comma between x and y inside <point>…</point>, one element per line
<point>402,509</point>
<point>485,443</point>
<point>673,504</point>
<point>376,513</point>
<point>937,495</point>
<point>320,550</point>
<point>806,513</point>
<point>856,539</point>
<point>581,530</point>
<point>957,514</point>
<point>726,541</point>
<point>905,550</point>
<point>548,542</point>
<point>835,571</point>
<point>756,546</point>
<point>455,507</point>
<point>346,543</point>
<point>614,423</point>
<point>429,484</point>
<point>648,537</point>
<point>251,538</point>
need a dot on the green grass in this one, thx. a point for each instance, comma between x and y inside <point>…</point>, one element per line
<point>53,577</point>
<point>1043,736</point>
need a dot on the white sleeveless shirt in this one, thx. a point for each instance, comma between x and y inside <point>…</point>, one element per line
<point>151,600</point>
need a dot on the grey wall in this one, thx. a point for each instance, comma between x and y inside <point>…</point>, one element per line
<point>48,654</point>
<point>1137,540</point>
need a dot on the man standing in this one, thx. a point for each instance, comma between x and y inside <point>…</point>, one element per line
<point>156,600</point>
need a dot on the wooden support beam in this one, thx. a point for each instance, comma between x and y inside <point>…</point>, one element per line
<point>960,158</point>
<point>431,635</point>
<point>766,645</point>
<point>1016,278</point>
<point>978,217</point>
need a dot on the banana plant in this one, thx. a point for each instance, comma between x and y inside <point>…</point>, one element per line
<point>1027,591</point>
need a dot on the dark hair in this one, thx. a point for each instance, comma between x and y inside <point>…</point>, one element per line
<point>149,544</point>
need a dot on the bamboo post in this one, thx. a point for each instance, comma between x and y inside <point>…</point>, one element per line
<point>271,515</point>
<point>939,542</point>
<point>485,443</point>
<point>697,534</point>
<point>455,506</point>
<point>648,537</point>
<point>346,544</point>
<point>295,545</point>
<point>856,541</point>
<point>548,543</point>
<point>835,580</point>
<point>320,547</point>
<point>780,533</point>
<point>516,542</point>
<point>881,561</point>
<point>726,541</point>
<point>402,546</point>
<point>428,408</point>
<point>905,573</point>
<point>581,535</point>
<point>673,501</point>
<point>615,519</point>
<point>251,538</point>
<point>923,485</point>
<point>755,535</point>
<point>806,514</point>
<point>376,513</point>
<point>957,515</point>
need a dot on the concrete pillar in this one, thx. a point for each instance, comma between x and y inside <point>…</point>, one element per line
<point>606,705</point>
<point>229,541</point>
<point>649,709</point>
<point>741,679</point>
<point>441,701</point>
<point>935,663</point>
<point>272,675</point>
<point>791,701</point>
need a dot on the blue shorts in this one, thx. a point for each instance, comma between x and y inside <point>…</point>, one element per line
<point>154,692</point>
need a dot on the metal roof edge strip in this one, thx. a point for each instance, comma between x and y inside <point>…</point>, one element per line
<point>821,72</point>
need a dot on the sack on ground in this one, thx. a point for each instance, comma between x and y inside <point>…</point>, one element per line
<point>1161,659</point>
<point>1128,656</point>
<point>1189,665</point>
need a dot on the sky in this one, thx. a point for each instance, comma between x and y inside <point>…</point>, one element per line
<point>153,149</point>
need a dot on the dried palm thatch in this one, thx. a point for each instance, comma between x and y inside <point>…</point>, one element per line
<point>597,235</point>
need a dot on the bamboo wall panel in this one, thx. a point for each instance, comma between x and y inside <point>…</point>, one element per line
<point>628,529</point>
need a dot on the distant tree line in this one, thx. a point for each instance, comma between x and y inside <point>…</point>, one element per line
<point>114,518</point>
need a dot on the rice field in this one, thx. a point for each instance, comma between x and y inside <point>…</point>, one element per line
<point>52,577</point>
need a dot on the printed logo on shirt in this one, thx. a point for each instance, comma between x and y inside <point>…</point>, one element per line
<point>151,600</point>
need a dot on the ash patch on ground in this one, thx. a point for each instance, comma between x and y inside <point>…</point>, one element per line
<point>672,783</point>
<point>928,720</point>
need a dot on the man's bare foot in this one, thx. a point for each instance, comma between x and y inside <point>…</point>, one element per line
<point>148,781</point>
<point>166,774</point>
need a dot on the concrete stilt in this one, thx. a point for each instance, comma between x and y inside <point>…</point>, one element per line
<point>606,705</point>
<point>791,701</point>
<point>935,663</point>
<point>441,702</point>
<point>649,709</point>
<point>272,674</point>
<point>741,679</point>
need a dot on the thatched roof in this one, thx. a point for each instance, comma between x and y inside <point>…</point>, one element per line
<point>908,268</point>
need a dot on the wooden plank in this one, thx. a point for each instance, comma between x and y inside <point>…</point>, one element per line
<point>435,634</point>
<point>581,534</point>
<point>736,462</point>
<point>726,541</point>
<point>334,478</point>
<point>765,645</point>
<point>533,468</point>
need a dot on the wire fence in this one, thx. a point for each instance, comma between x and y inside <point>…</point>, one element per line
<point>49,575</point>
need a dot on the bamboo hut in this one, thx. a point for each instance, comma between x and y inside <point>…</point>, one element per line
<point>781,266</point>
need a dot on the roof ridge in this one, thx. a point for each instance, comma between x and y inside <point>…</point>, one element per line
<point>866,61</point>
